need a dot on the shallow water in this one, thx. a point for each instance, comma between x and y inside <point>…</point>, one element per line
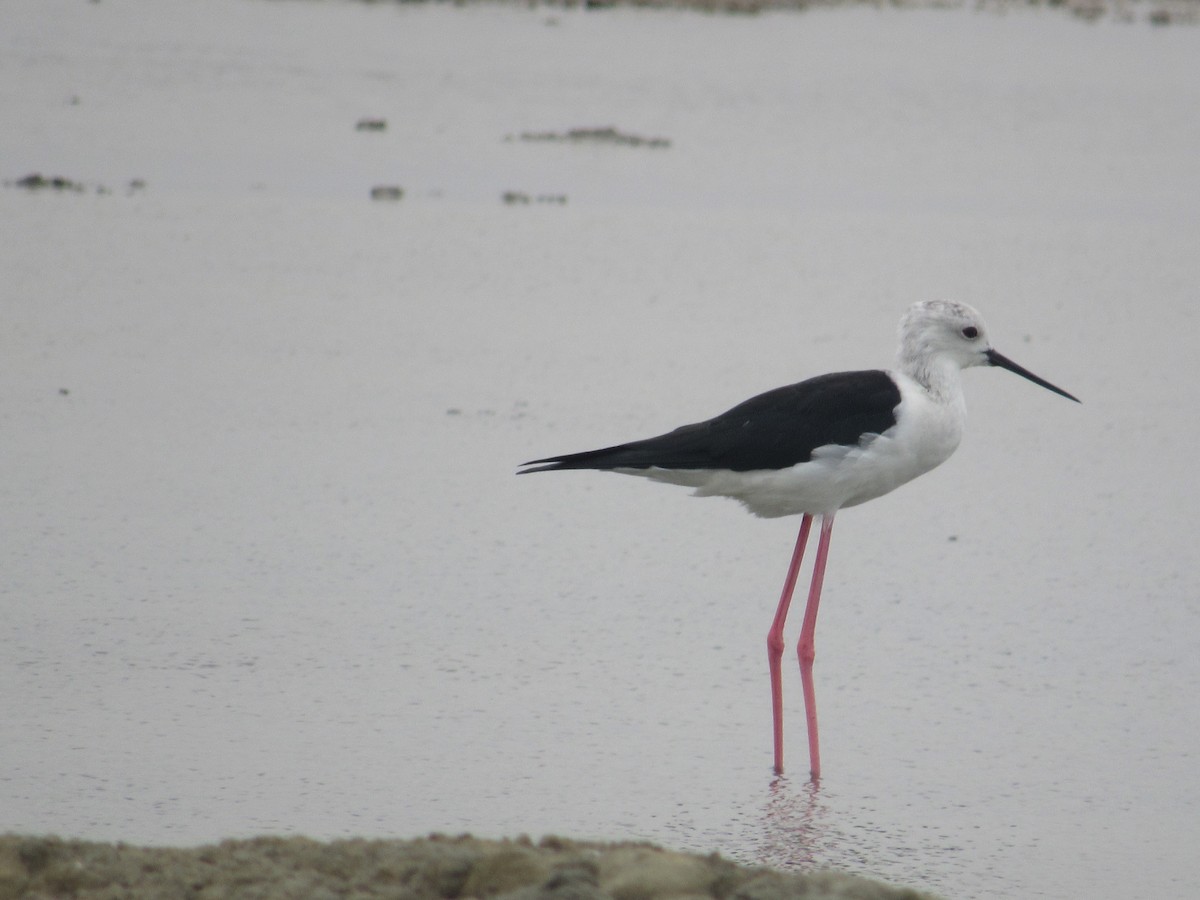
<point>266,565</point>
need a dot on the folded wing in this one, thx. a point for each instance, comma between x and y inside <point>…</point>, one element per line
<point>775,430</point>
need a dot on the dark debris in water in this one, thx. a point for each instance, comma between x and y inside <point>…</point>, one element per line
<point>1154,12</point>
<point>390,192</point>
<point>36,181</point>
<point>520,198</point>
<point>605,135</point>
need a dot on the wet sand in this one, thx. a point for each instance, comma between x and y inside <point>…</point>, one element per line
<point>267,868</point>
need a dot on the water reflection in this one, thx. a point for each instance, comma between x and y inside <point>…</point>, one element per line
<point>795,825</point>
<point>805,827</point>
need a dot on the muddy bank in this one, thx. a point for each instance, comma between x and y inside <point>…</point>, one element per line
<point>436,867</point>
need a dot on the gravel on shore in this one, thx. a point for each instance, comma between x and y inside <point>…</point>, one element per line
<point>273,868</point>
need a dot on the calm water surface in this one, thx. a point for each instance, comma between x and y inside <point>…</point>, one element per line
<point>266,566</point>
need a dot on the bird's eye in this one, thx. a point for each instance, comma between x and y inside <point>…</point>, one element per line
<point>970,332</point>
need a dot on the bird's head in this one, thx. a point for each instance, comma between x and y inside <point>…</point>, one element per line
<point>937,331</point>
<point>935,334</point>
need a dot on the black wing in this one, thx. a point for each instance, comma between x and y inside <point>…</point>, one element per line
<point>775,430</point>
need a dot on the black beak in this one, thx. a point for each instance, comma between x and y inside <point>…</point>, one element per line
<point>995,359</point>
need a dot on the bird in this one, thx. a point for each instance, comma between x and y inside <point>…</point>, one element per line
<point>820,446</point>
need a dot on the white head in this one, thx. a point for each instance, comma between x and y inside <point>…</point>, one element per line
<point>940,337</point>
<point>936,330</point>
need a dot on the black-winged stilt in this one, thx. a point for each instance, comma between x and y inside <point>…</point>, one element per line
<point>819,446</point>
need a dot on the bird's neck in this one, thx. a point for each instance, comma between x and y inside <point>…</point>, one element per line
<point>939,376</point>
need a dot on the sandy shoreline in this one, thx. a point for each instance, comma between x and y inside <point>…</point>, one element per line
<point>421,869</point>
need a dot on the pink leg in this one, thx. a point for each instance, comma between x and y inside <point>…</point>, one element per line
<point>805,649</point>
<point>775,639</point>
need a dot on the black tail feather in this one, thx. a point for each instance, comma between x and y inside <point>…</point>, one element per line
<point>684,448</point>
<point>619,457</point>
